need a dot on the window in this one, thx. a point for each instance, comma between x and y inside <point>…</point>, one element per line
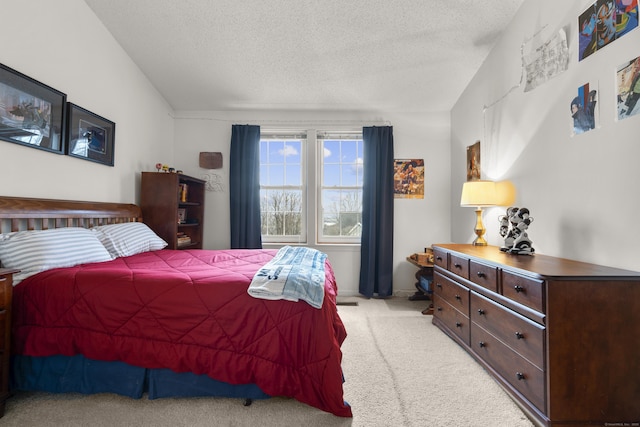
<point>311,185</point>
<point>282,189</point>
<point>341,188</point>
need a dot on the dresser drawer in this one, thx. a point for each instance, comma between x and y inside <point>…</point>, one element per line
<point>450,291</point>
<point>459,265</point>
<point>525,290</point>
<point>520,334</point>
<point>440,258</point>
<point>457,322</point>
<point>483,275</point>
<point>516,370</point>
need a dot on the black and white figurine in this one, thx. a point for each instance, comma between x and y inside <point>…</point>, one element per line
<point>513,227</point>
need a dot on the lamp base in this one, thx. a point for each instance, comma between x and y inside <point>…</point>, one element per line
<point>479,230</point>
<point>479,241</point>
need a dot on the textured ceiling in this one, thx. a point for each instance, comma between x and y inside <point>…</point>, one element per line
<point>369,55</point>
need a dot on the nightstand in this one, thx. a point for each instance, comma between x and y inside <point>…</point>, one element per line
<point>6,289</point>
<point>424,274</point>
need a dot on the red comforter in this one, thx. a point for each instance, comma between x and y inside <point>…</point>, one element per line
<point>187,311</point>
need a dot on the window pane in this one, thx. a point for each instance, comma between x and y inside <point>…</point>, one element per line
<point>284,212</point>
<point>276,175</point>
<point>349,175</point>
<point>293,175</point>
<point>275,152</point>
<point>291,151</point>
<point>331,151</point>
<point>342,212</point>
<point>331,175</point>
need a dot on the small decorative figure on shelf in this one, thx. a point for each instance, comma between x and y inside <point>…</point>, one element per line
<point>513,227</point>
<point>165,168</point>
<point>158,167</point>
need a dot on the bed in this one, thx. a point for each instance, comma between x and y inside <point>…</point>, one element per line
<point>154,321</point>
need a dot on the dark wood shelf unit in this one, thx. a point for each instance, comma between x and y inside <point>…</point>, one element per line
<point>160,200</point>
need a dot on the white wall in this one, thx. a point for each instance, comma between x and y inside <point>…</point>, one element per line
<point>581,190</point>
<point>63,45</point>
<point>418,222</point>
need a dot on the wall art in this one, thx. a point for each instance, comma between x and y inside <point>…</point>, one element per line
<point>604,22</point>
<point>90,136</point>
<point>628,88</point>
<point>473,162</point>
<point>408,179</point>
<point>31,113</point>
<point>584,109</point>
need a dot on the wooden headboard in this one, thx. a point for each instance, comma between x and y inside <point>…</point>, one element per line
<point>20,213</point>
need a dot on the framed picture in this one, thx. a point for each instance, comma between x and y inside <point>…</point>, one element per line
<point>473,162</point>
<point>31,113</point>
<point>90,136</point>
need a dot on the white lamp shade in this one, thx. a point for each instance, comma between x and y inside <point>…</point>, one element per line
<point>505,193</point>
<point>478,193</point>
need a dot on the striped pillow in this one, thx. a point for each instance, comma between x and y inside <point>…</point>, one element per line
<point>128,238</point>
<point>39,250</point>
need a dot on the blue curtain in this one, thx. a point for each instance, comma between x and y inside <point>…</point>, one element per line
<point>376,250</point>
<point>244,187</point>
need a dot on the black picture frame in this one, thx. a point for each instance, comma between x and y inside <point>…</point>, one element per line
<point>90,136</point>
<point>31,113</point>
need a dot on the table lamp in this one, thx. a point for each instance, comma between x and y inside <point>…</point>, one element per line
<point>478,194</point>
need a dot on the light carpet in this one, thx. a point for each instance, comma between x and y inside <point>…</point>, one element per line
<point>400,370</point>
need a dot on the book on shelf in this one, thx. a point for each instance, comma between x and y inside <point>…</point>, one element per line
<point>183,239</point>
<point>183,192</point>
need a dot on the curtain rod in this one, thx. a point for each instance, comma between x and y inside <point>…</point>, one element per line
<point>291,123</point>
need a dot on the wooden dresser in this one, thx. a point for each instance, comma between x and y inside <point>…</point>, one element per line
<point>562,337</point>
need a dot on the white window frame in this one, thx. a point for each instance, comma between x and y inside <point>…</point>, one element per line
<point>312,166</point>
<point>331,135</point>
<point>292,135</point>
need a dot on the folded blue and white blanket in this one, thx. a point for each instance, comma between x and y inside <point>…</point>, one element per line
<point>295,273</point>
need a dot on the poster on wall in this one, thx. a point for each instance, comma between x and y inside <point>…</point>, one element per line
<point>604,22</point>
<point>628,88</point>
<point>408,179</point>
<point>473,162</point>
<point>546,60</point>
<point>584,109</point>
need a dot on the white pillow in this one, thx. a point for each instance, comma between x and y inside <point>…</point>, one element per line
<point>128,238</point>
<point>39,250</point>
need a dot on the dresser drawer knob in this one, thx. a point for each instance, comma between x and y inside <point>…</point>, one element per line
<point>439,308</point>
<point>481,312</point>
<point>520,376</point>
<point>519,335</point>
<point>458,297</point>
<point>518,289</point>
<point>458,266</point>
<point>458,325</point>
<point>438,258</point>
<point>482,344</point>
<point>438,285</point>
<point>481,274</point>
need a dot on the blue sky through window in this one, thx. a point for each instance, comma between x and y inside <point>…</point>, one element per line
<point>342,163</point>
<point>280,163</point>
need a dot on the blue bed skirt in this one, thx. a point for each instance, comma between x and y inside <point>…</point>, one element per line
<point>77,374</point>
